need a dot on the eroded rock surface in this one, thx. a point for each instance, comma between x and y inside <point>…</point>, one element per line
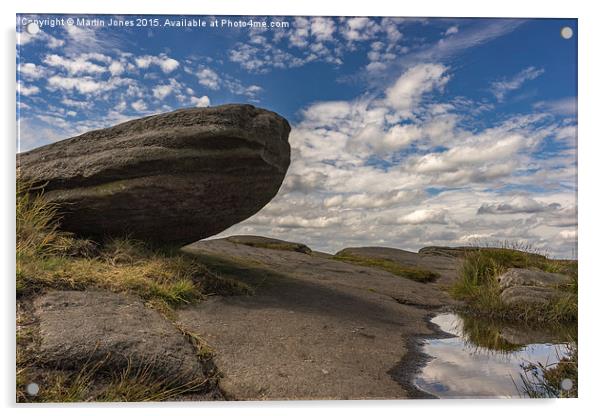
<point>315,328</point>
<point>94,326</point>
<point>169,178</point>
<point>528,277</point>
<point>529,286</point>
<point>534,295</point>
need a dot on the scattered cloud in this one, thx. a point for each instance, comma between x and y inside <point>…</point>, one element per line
<point>568,235</point>
<point>24,38</point>
<point>162,91</point>
<point>501,88</point>
<point>27,90</point>
<point>84,85</point>
<point>323,29</point>
<point>424,216</point>
<point>564,106</point>
<point>139,105</point>
<point>83,64</point>
<point>518,205</point>
<point>163,61</point>
<point>31,71</point>
<point>80,40</point>
<point>452,30</point>
<point>409,88</point>
<point>75,103</point>
<point>359,29</point>
<point>116,68</point>
<point>200,101</point>
<point>208,78</point>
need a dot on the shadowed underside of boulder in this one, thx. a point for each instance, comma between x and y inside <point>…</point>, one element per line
<point>170,178</point>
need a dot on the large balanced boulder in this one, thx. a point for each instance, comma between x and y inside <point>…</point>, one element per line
<point>169,178</point>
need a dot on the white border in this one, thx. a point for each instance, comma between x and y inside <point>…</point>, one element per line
<point>590,154</point>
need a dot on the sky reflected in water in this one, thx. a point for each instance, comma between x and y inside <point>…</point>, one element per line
<point>461,369</point>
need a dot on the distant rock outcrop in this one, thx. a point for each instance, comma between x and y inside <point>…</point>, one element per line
<point>446,251</point>
<point>424,266</point>
<point>269,243</point>
<point>169,178</point>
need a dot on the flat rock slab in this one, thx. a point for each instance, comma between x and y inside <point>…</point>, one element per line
<point>79,327</point>
<point>315,328</point>
<point>517,335</point>
<point>168,178</point>
<point>534,295</point>
<point>527,277</point>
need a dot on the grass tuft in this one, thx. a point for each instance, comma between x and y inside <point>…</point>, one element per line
<point>414,273</point>
<point>478,287</point>
<point>545,380</point>
<point>93,384</point>
<point>37,223</point>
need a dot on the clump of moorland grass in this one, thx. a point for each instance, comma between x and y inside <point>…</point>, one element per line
<point>122,266</point>
<point>414,273</point>
<point>37,223</point>
<point>551,380</point>
<point>93,383</point>
<point>478,286</point>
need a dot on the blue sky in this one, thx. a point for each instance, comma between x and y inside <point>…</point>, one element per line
<point>406,132</point>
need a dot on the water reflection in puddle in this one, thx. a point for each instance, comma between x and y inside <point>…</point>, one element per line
<point>482,359</point>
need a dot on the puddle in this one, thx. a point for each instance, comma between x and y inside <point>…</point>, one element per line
<point>483,359</point>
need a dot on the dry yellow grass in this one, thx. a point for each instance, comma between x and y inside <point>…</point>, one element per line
<point>50,258</point>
